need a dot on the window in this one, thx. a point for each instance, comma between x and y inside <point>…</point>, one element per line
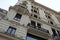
<point>31,14</point>
<point>38,25</point>
<point>54,32</point>
<point>35,16</point>
<point>11,30</point>
<point>48,16</point>
<point>33,24</point>
<point>58,33</point>
<point>32,6</point>
<point>34,9</point>
<point>33,37</point>
<point>47,31</point>
<point>51,22</point>
<point>17,17</point>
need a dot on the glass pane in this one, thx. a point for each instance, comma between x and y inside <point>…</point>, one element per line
<point>18,16</point>
<point>9,30</point>
<point>13,31</point>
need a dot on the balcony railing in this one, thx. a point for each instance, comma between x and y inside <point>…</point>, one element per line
<point>9,36</point>
<point>44,30</point>
<point>41,29</point>
<point>17,19</point>
<point>14,37</point>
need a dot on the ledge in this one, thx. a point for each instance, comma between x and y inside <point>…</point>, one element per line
<point>9,37</point>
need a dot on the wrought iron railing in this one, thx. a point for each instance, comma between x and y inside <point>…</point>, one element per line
<point>41,29</point>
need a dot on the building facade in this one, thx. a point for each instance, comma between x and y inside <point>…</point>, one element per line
<point>3,13</point>
<point>29,20</point>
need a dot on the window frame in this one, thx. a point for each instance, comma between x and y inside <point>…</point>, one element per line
<point>34,9</point>
<point>17,17</point>
<point>11,30</point>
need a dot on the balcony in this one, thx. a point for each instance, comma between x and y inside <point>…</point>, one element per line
<point>39,32</point>
<point>8,36</point>
<point>41,29</point>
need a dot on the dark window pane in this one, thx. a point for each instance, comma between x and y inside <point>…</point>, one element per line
<point>38,25</point>
<point>51,22</point>
<point>35,11</point>
<point>35,16</point>
<point>54,32</point>
<point>47,31</point>
<point>32,10</point>
<point>32,6</point>
<point>33,24</point>
<point>58,33</point>
<point>11,30</point>
<point>49,17</point>
<point>17,17</point>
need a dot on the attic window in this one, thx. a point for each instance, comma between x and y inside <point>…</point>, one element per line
<point>17,17</point>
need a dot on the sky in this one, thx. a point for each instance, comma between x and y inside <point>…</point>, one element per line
<point>53,4</point>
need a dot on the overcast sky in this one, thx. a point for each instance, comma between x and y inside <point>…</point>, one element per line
<point>53,4</point>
